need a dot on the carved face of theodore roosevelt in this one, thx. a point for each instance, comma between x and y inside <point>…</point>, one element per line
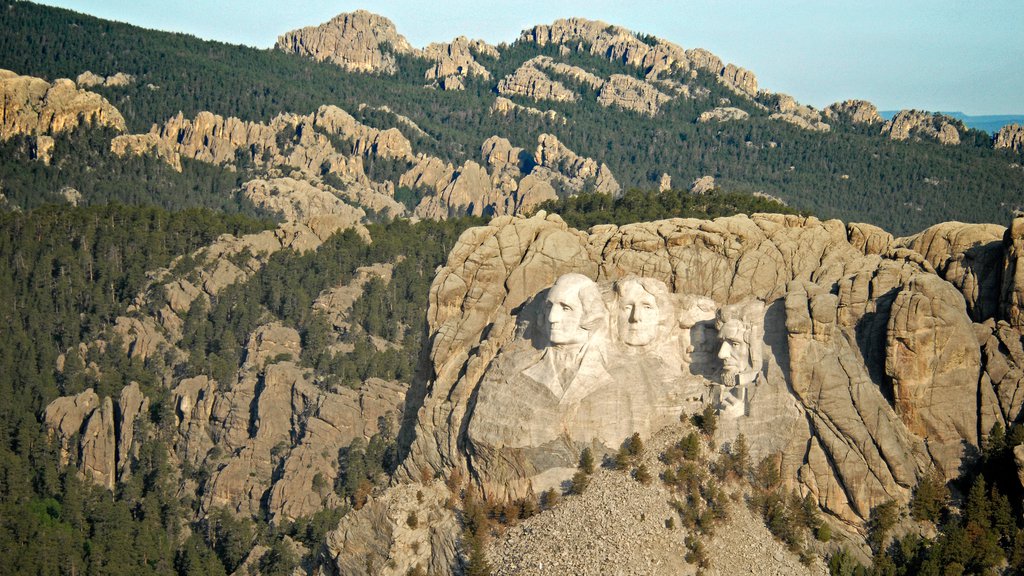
<point>573,310</point>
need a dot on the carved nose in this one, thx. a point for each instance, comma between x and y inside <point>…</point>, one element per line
<point>554,315</point>
<point>725,351</point>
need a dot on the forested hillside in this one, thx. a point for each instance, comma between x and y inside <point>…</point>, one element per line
<point>850,172</point>
<point>247,259</point>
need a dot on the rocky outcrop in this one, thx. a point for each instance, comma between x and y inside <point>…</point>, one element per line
<point>456,58</point>
<point>214,139</point>
<point>506,107</point>
<point>802,122</point>
<point>1010,137</point>
<point>741,79</point>
<point>914,123</point>
<point>968,256</point>
<point>530,82</point>
<point>703,185</point>
<point>64,418</point>
<point>933,361</point>
<point>88,79</point>
<point>408,527</point>
<point>567,70</point>
<point>98,435</point>
<point>791,111</point>
<point>296,200</point>
<point>570,170</point>
<point>33,107</point>
<point>631,94</point>
<point>853,112</point>
<point>1012,292</point>
<point>656,57</point>
<point>358,41</point>
<point>870,373</point>
<point>722,114</point>
<point>509,182</point>
<point>301,143</point>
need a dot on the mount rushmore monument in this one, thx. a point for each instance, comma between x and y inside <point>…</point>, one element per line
<point>859,362</point>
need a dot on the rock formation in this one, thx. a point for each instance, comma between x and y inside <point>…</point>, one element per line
<point>381,539</point>
<point>853,112</point>
<point>533,83</point>
<point>908,123</point>
<point>789,110</point>
<point>1010,137</point>
<point>98,435</point>
<point>722,114</point>
<point>34,107</point>
<point>88,79</point>
<point>1012,292</point>
<point>355,41</point>
<point>631,94</point>
<point>703,185</point>
<point>299,142</point>
<point>506,107</point>
<point>655,58</point>
<point>456,58</point>
<point>573,72</point>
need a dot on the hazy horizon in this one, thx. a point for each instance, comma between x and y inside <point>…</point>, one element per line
<point>934,55</point>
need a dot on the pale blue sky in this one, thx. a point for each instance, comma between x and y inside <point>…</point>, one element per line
<point>948,55</point>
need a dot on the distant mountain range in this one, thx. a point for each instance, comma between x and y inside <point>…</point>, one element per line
<point>988,123</point>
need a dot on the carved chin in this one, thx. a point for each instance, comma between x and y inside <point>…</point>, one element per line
<point>638,337</point>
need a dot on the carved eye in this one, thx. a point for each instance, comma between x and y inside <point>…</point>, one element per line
<point>566,307</point>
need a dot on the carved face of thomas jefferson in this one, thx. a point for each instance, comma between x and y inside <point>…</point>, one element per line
<point>639,316</point>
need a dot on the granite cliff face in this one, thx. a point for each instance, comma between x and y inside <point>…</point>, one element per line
<point>870,367</point>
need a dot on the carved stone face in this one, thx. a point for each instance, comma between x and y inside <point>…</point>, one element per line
<point>564,313</point>
<point>638,315</point>
<point>735,351</point>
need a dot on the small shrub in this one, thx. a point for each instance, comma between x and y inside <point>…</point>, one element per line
<point>706,421</point>
<point>642,475</point>
<point>411,520</point>
<point>579,483</point>
<point>586,461</point>
<point>549,499</point>
<point>823,533</point>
